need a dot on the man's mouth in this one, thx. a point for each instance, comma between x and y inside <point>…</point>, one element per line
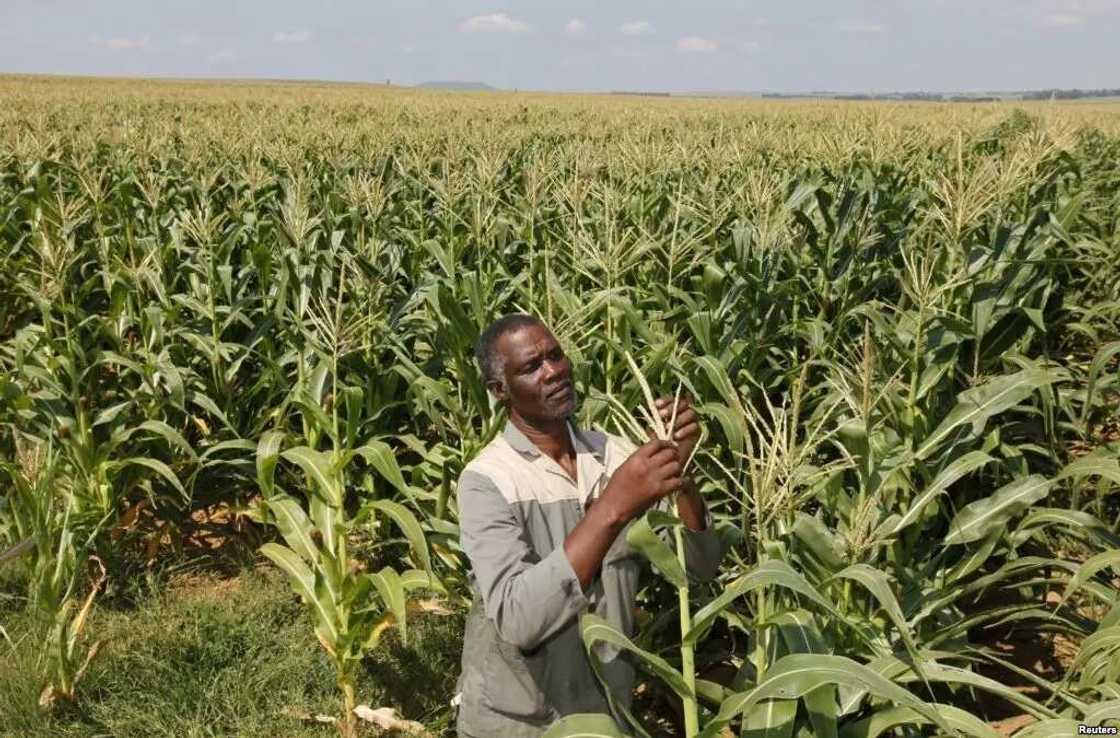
<point>561,392</point>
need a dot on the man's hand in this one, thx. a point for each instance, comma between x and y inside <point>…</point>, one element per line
<point>651,472</point>
<point>686,434</point>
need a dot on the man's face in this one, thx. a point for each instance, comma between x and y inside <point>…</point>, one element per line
<point>537,375</point>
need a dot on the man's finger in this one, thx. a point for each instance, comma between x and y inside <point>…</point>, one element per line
<point>692,429</point>
<point>685,417</point>
<point>664,455</point>
<point>650,448</point>
<point>671,485</point>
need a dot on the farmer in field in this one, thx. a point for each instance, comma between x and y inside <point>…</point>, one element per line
<point>543,510</point>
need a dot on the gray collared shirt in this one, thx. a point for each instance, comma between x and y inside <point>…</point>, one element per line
<point>524,664</point>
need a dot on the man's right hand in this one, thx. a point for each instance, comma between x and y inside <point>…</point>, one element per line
<point>651,472</point>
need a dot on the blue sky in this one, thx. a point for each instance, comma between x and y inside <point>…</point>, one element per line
<point>873,45</point>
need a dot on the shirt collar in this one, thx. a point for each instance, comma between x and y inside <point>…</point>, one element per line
<point>583,444</point>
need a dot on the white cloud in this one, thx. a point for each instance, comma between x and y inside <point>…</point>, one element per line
<point>120,43</point>
<point>859,26</point>
<point>1062,20</point>
<point>291,37</point>
<point>188,39</point>
<point>697,44</point>
<point>493,23</point>
<point>221,57</point>
<point>575,25</point>
<point>751,46</point>
<point>636,28</point>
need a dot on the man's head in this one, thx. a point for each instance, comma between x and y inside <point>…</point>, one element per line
<point>525,368</point>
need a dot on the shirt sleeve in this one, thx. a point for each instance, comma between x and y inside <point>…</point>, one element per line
<point>702,550</point>
<point>528,598</point>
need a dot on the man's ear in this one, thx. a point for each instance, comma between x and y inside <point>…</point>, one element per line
<point>498,388</point>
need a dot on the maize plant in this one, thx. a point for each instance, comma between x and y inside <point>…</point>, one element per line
<point>351,607</point>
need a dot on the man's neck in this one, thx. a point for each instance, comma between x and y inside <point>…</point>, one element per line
<point>551,437</point>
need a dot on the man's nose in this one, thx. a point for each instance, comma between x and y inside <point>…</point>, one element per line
<point>555,370</point>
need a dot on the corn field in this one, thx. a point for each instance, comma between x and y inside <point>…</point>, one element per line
<point>900,323</point>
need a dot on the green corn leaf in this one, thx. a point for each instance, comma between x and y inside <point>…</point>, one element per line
<point>1100,361</point>
<point>1053,728</point>
<point>268,453</point>
<point>1089,569</point>
<point>326,518</point>
<point>936,672</point>
<point>318,466</point>
<point>595,631</point>
<point>1101,463</point>
<point>159,468</point>
<point>169,434</point>
<point>414,579</point>
<point>876,582</point>
<point>1098,713</point>
<point>408,524</point>
<point>820,541</point>
<point>770,719</point>
<point>303,582</point>
<point>975,520</point>
<point>772,573</point>
<point>380,456</point>
<point>1104,642</point>
<point>823,711</point>
<point>642,536</point>
<point>294,526</point>
<point>893,717</point>
<point>966,464</point>
<point>390,589</point>
<point>584,726</point>
<point>794,676</point>
<point>974,406</point>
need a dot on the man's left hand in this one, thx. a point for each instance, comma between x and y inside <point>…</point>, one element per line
<point>686,432</point>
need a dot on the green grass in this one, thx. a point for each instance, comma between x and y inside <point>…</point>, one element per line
<point>219,657</point>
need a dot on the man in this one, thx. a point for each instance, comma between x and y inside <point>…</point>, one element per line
<point>543,510</point>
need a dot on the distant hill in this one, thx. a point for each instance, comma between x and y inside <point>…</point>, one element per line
<point>459,86</point>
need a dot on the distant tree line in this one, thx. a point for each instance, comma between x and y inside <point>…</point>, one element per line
<point>1070,94</point>
<point>939,97</point>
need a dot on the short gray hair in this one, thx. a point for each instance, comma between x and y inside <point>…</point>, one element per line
<point>489,363</point>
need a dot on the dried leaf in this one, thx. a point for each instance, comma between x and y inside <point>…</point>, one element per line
<point>387,719</point>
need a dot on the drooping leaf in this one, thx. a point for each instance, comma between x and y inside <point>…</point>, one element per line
<point>408,524</point>
<point>595,631</point>
<point>966,464</point>
<point>975,520</point>
<point>772,573</point>
<point>303,582</point>
<point>389,588</point>
<point>1088,569</point>
<point>319,467</point>
<point>892,717</point>
<point>294,526</point>
<point>642,536</point>
<point>974,406</point>
<point>268,453</point>
<point>380,456</point>
<point>793,676</point>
